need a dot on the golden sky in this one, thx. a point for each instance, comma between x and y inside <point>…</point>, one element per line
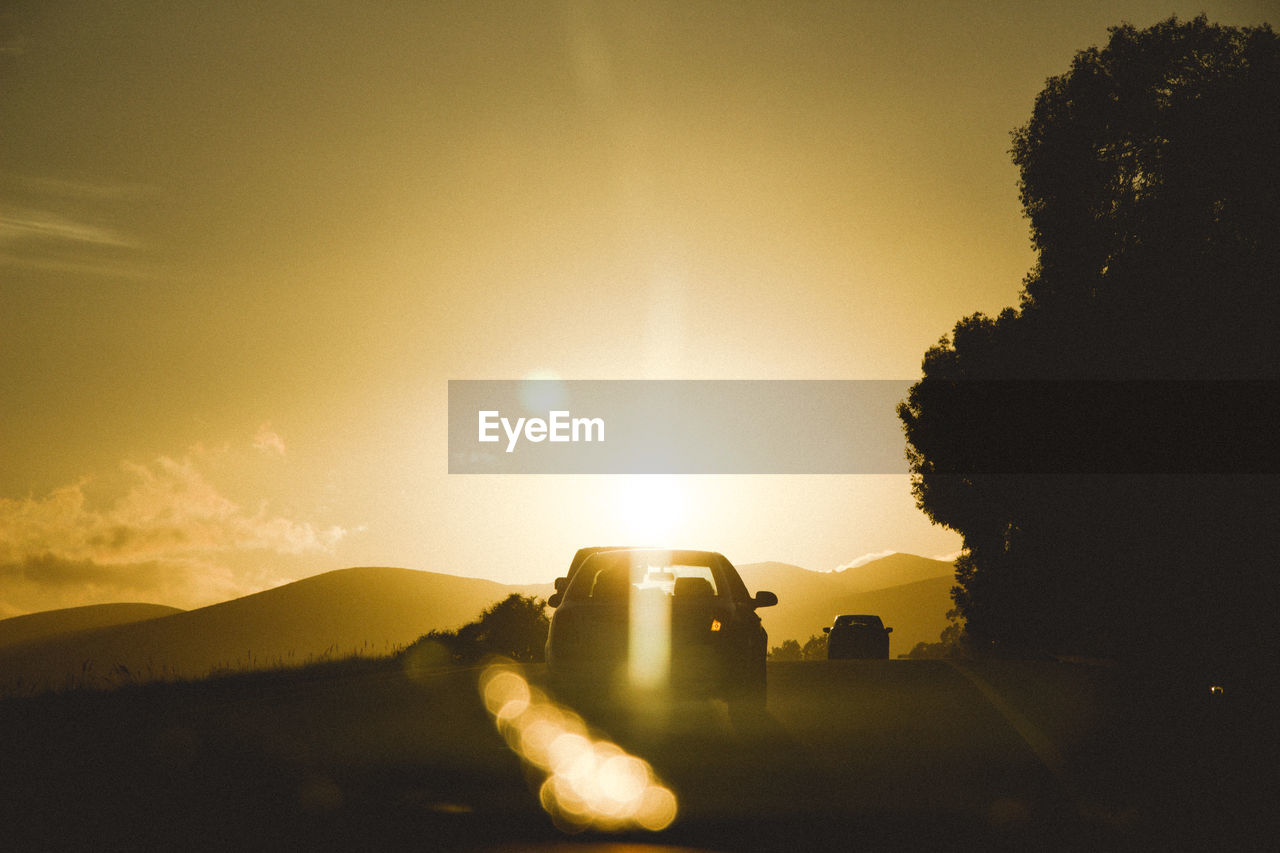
<point>243,247</point>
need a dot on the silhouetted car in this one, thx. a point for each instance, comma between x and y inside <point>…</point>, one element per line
<point>649,618</point>
<point>580,557</point>
<point>857,636</point>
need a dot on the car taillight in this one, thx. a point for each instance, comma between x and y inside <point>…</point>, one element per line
<point>715,624</point>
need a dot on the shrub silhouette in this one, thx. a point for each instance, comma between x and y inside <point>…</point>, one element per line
<point>815,648</point>
<point>515,627</point>
<point>789,651</point>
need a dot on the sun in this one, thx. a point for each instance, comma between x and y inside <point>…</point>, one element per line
<point>651,508</point>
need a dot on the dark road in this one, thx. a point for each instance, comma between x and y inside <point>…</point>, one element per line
<point>887,754</point>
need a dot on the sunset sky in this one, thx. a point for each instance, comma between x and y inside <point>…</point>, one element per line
<point>244,246</point>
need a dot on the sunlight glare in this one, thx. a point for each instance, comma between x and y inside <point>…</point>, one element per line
<point>651,507</point>
<point>649,640</point>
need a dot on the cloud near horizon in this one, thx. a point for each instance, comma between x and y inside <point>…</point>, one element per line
<point>169,538</point>
<point>268,441</point>
<point>863,560</point>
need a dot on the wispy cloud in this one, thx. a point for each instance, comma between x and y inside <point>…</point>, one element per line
<point>163,539</point>
<point>268,441</point>
<point>864,559</point>
<point>34,225</point>
<point>76,225</point>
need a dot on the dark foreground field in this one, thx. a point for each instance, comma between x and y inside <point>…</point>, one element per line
<point>849,755</point>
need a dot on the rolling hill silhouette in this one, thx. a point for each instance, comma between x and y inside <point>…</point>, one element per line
<point>367,610</point>
<point>911,594</point>
<point>52,623</point>
<point>375,610</point>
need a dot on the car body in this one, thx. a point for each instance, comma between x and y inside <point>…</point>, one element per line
<point>580,557</point>
<point>636,619</point>
<point>857,635</point>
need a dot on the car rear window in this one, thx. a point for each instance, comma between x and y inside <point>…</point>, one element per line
<point>615,575</point>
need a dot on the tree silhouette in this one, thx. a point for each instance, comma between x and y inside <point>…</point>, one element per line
<point>515,627</point>
<point>1107,504</point>
<point>951,643</point>
<point>815,648</point>
<point>788,651</point>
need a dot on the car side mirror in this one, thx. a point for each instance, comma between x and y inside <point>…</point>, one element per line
<point>555,599</point>
<point>826,630</point>
<point>888,630</point>
<point>764,599</point>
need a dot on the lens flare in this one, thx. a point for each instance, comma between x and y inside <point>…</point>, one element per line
<point>623,778</point>
<point>506,694</point>
<point>649,640</point>
<point>591,783</point>
<point>657,808</point>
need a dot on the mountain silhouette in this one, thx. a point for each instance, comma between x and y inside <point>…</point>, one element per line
<point>365,610</point>
<point>911,594</point>
<point>376,610</point>
<point>52,623</point>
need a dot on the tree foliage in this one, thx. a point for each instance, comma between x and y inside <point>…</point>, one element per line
<point>1150,177</point>
<point>789,651</point>
<point>951,644</point>
<point>515,627</point>
<point>815,648</point>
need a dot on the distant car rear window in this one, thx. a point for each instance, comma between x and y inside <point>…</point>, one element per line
<point>850,619</point>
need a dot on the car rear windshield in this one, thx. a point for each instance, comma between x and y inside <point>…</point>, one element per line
<point>873,621</point>
<point>614,575</point>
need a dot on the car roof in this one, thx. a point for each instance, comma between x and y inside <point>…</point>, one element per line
<point>583,553</point>
<point>719,563</point>
<point>608,558</point>
<point>676,554</point>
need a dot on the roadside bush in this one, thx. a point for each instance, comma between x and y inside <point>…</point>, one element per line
<point>515,627</point>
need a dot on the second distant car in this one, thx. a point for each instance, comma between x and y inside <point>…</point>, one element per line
<point>857,635</point>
